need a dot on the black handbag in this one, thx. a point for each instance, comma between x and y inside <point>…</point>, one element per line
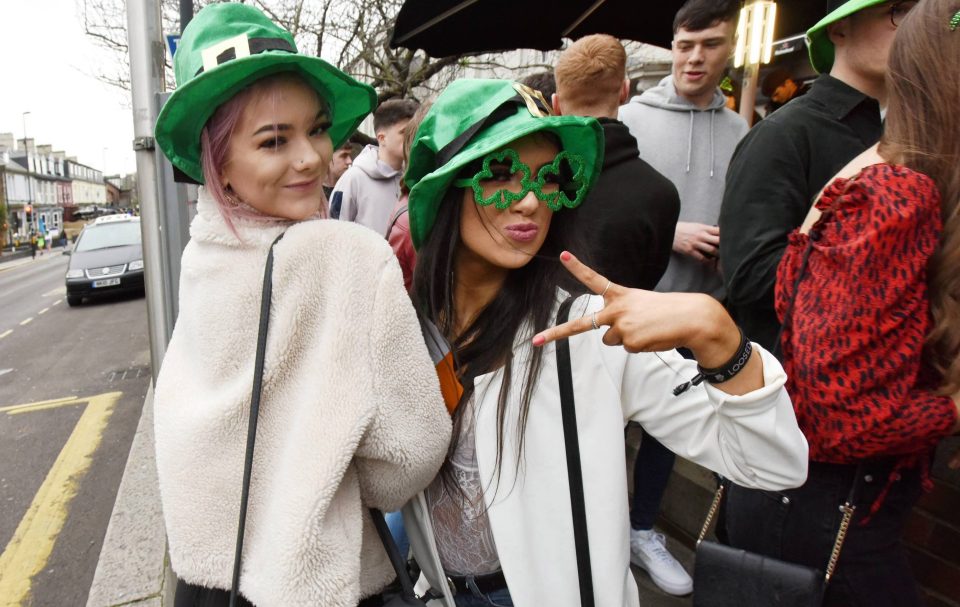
<point>730,577</point>
<point>574,473</point>
<point>724,576</point>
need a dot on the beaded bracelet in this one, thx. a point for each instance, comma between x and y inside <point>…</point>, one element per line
<point>724,372</point>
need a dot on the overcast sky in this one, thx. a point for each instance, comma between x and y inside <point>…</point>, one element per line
<point>47,66</point>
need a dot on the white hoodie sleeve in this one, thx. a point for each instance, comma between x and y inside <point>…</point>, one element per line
<point>752,439</point>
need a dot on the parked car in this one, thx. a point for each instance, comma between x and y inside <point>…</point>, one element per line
<point>106,258</point>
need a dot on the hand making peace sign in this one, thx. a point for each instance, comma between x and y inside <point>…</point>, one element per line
<point>647,321</point>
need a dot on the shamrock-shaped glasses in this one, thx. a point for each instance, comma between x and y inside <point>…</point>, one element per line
<point>504,179</point>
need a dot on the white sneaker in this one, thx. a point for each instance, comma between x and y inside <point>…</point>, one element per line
<point>648,551</point>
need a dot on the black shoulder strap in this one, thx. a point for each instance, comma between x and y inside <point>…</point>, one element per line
<point>574,472</point>
<point>254,412</point>
<point>396,559</point>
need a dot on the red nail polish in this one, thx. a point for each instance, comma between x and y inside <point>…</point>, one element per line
<point>538,340</point>
<point>565,256</point>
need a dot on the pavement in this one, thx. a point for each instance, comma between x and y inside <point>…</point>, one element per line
<point>9,261</point>
<point>134,569</point>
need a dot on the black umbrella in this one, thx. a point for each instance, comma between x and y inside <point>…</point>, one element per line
<point>454,27</point>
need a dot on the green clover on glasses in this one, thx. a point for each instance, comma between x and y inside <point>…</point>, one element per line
<point>500,185</point>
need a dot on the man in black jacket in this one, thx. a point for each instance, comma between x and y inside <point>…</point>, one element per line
<point>628,219</point>
<point>783,162</point>
<point>627,222</point>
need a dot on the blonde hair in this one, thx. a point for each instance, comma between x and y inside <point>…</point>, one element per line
<point>591,71</point>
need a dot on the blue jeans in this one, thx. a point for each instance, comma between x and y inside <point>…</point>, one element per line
<point>651,471</point>
<point>399,532</point>
<point>497,598</point>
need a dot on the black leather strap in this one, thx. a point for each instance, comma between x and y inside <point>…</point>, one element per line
<point>254,412</point>
<point>396,559</point>
<point>574,472</point>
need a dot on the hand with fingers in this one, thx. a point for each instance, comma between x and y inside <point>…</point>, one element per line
<point>697,240</point>
<point>646,321</point>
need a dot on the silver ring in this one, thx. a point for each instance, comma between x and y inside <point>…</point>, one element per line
<point>605,289</point>
<point>593,321</point>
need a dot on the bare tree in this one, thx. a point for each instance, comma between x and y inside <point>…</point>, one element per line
<point>353,35</point>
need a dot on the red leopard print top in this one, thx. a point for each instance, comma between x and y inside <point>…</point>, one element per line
<point>852,351</point>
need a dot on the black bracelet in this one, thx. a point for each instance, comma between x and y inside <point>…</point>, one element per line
<point>723,373</point>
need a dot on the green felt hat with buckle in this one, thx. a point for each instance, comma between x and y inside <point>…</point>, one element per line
<point>818,40</point>
<point>228,46</point>
<point>472,120</point>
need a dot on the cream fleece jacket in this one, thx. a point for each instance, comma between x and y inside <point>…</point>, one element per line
<point>351,414</point>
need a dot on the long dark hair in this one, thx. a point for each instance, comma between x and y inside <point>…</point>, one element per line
<point>527,299</point>
<point>921,132</point>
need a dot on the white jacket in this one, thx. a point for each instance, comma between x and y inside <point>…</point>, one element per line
<point>351,413</point>
<point>752,439</point>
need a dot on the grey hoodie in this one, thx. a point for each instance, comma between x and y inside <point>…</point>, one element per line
<point>692,147</point>
<point>367,192</point>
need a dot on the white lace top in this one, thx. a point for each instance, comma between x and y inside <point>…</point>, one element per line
<point>460,524</point>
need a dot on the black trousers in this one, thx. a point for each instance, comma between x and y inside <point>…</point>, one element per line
<point>188,595</point>
<point>800,526</point>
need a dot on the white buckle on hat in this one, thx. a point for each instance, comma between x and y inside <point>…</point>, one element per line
<point>240,45</point>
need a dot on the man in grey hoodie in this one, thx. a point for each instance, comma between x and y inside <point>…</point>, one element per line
<point>369,189</point>
<point>685,131</point>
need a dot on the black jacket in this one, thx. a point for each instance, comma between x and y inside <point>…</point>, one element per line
<point>627,221</point>
<point>776,172</point>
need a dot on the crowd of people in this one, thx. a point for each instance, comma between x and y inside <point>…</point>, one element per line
<point>411,330</point>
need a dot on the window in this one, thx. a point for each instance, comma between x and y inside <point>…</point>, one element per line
<point>120,234</point>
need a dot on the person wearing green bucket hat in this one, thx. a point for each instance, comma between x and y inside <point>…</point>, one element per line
<point>350,413</point>
<point>784,162</point>
<point>869,281</point>
<point>492,177</point>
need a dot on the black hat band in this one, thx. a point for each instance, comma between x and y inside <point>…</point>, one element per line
<point>257,46</point>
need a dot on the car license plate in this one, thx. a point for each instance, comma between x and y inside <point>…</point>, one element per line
<point>106,282</point>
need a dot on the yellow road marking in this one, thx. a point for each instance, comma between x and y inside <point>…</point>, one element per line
<point>56,401</point>
<point>26,322</point>
<point>5,333</point>
<point>28,551</point>
<point>42,311</point>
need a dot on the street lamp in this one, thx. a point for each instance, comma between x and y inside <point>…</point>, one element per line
<point>754,46</point>
<point>29,179</point>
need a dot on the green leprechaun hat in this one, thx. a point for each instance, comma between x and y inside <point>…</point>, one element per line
<point>472,118</point>
<point>228,46</point>
<point>818,40</point>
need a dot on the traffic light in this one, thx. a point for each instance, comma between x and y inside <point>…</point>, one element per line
<point>29,211</point>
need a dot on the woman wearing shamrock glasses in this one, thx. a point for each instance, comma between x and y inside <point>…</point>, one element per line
<point>350,412</point>
<point>491,176</point>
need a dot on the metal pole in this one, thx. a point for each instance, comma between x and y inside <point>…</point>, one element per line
<point>186,13</point>
<point>33,214</point>
<point>146,79</point>
<point>748,92</point>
